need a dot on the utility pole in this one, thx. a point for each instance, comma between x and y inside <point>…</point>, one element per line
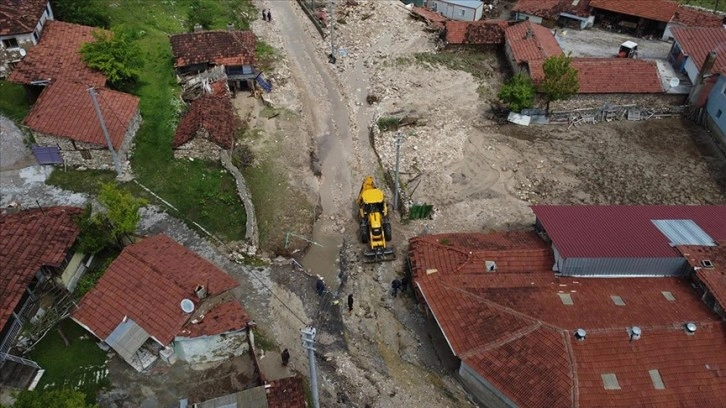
<point>399,140</point>
<point>308,338</point>
<point>116,164</point>
<point>331,6</point>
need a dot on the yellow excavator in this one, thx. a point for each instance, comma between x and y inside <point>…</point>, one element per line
<point>375,227</point>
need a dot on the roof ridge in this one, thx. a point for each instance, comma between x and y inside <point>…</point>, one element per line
<point>502,341</point>
<point>574,383</point>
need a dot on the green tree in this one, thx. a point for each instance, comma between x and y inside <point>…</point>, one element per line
<point>94,235</point>
<point>122,210</point>
<point>560,79</point>
<point>116,54</point>
<point>60,398</point>
<point>518,92</point>
<point>201,12</point>
<point>85,12</point>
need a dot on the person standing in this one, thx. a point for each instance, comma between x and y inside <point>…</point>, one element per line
<point>264,14</point>
<point>350,303</point>
<point>320,286</point>
<point>269,16</point>
<point>404,284</point>
<point>395,286</point>
<point>285,357</point>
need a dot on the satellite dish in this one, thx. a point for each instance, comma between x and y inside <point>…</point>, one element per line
<point>674,82</point>
<point>23,52</point>
<point>187,306</point>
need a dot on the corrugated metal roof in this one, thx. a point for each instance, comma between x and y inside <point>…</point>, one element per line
<point>127,338</point>
<point>683,232</point>
<point>612,231</point>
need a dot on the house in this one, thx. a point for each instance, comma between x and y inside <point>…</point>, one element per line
<point>527,337</point>
<point>527,44</point>
<point>198,51</point>
<point>689,54</point>
<point>482,32</point>
<point>282,393</point>
<point>567,13</point>
<point>159,299</point>
<point>462,10</point>
<point>37,262</point>
<point>716,110</point>
<point>430,17</point>
<point>64,116</point>
<point>613,240</point>
<point>709,266</point>
<point>209,126</point>
<point>21,25</point>
<point>689,17</point>
<point>57,56</point>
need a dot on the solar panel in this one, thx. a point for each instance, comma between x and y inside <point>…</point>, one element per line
<point>47,155</point>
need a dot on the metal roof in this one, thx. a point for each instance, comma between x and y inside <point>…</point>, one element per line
<point>127,338</point>
<point>620,231</point>
<point>683,232</point>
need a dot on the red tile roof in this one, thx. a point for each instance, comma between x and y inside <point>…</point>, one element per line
<point>65,109</point>
<point>57,56</point>
<point>658,10</point>
<point>214,47</point>
<point>697,18</point>
<point>620,231</point>
<point>222,318</point>
<point>29,240</point>
<point>147,283</point>
<point>476,32</point>
<point>212,113</point>
<point>714,277</point>
<point>610,75</point>
<point>429,15</point>
<point>698,42</point>
<point>551,9</point>
<point>285,393</point>
<point>20,16</point>
<point>513,329</point>
<point>530,41</point>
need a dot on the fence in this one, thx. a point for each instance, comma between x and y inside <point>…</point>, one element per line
<point>608,113</point>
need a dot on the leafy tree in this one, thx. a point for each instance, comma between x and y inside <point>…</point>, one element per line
<point>122,210</point>
<point>85,12</point>
<point>116,54</point>
<point>201,12</point>
<point>60,398</point>
<point>94,235</point>
<point>518,92</point>
<point>560,79</point>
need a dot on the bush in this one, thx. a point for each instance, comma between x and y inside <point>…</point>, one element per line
<point>116,55</point>
<point>388,123</point>
<point>518,92</point>
<point>200,12</point>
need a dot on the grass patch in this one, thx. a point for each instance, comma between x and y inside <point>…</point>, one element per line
<point>81,366</point>
<point>467,60</point>
<point>388,123</point>
<point>86,181</point>
<point>13,102</point>
<point>707,4</point>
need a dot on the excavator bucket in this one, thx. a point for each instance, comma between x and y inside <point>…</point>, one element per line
<point>379,255</point>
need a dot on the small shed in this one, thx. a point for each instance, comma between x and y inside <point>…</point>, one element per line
<point>463,10</point>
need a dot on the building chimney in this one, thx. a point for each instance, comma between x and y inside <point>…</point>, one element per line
<point>634,333</point>
<point>201,291</point>
<point>695,96</point>
<point>230,26</point>
<point>580,334</point>
<point>198,27</point>
<point>528,36</point>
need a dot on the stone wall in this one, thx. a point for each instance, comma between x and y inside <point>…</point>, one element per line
<point>96,156</point>
<point>199,148</point>
<point>582,101</point>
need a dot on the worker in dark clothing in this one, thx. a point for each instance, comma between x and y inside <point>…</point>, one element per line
<point>320,286</point>
<point>395,286</point>
<point>350,303</point>
<point>404,284</point>
<point>264,14</point>
<point>285,357</point>
<point>269,16</point>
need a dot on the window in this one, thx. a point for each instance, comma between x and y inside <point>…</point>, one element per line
<point>10,43</point>
<point>35,35</point>
<point>718,113</point>
<point>463,12</point>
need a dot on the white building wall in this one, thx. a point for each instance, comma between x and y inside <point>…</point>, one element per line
<point>524,16</point>
<point>211,348</point>
<point>456,12</point>
<point>691,69</point>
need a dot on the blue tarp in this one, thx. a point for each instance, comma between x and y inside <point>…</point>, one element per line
<point>47,155</point>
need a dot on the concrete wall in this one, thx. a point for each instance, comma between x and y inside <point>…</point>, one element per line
<point>582,101</point>
<point>524,16</point>
<point>211,348</point>
<point>482,390</point>
<point>100,156</point>
<point>199,148</point>
<point>716,109</point>
<point>456,12</point>
<point>512,63</point>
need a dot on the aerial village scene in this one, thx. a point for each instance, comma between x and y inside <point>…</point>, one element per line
<point>362,203</point>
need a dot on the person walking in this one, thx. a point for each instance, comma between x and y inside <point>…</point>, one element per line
<point>320,286</point>
<point>264,14</point>
<point>404,284</point>
<point>350,303</point>
<point>269,16</point>
<point>395,286</point>
<point>285,357</point>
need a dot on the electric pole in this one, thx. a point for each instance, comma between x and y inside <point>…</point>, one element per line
<point>331,5</point>
<point>399,140</point>
<point>116,164</point>
<point>308,338</point>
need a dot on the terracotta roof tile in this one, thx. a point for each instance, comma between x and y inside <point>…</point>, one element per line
<point>698,42</point>
<point>212,113</point>
<point>147,283</point>
<point>28,240</point>
<point>551,9</point>
<point>577,231</point>
<point>713,277</point>
<point>57,56</point>
<point>214,47</point>
<point>65,109</point>
<point>430,16</point>
<point>20,16</point>
<point>476,32</point>
<point>610,75</point>
<point>224,317</point>
<point>658,10</point>
<point>697,18</point>
<point>514,329</point>
<point>530,41</point>
<point>286,393</point>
